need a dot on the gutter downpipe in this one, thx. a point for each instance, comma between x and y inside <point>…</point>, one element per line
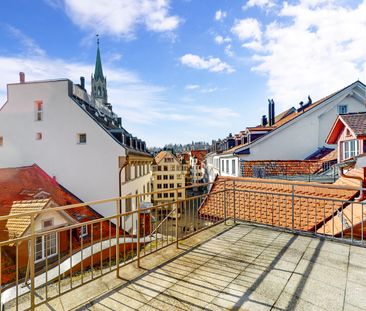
<point>126,162</point>
<point>362,194</point>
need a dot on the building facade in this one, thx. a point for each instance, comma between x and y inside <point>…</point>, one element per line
<point>75,137</point>
<point>168,173</point>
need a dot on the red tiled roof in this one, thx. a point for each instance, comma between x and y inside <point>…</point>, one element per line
<point>199,155</point>
<point>259,201</point>
<point>356,122</point>
<point>24,183</point>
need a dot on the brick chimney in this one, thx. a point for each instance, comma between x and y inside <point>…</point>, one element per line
<point>21,77</point>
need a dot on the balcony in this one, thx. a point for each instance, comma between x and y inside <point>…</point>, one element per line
<point>199,261</point>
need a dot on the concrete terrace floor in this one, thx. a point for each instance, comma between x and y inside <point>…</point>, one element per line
<point>240,267</point>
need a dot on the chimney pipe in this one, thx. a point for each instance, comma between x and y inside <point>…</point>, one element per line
<point>82,82</point>
<point>273,111</point>
<point>270,112</point>
<point>21,77</point>
<point>264,120</point>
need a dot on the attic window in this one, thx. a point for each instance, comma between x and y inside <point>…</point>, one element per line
<point>39,136</point>
<point>38,109</point>
<point>81,138</point>
<point>342,109</point>
<point>83,231</point>
<point>48,223</point>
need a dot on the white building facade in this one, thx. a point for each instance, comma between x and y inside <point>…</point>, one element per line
<point>74,138</point>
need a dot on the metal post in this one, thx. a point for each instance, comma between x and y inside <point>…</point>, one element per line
<point>234,202</point>
<point>118,205</point>
<point>225,210</point>
<point>32,264</point>
<point>293,206</point>
<point>176,221</point>
<point>138,231</point>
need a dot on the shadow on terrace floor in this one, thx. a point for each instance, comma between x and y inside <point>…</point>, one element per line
<point>240,267</point>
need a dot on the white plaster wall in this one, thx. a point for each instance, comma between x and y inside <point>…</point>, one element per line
<point>302,137</point>
<point>89,171</point>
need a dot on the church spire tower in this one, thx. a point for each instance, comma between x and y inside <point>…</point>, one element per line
<point>98,81</point>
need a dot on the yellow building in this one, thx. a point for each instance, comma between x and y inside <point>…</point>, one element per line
<point>168,173</point>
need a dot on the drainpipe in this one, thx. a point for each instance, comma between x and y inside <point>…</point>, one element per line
<point>120,181</point>
<point>362,194</point>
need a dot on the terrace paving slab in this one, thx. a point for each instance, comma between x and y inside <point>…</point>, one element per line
<point>233,267</point>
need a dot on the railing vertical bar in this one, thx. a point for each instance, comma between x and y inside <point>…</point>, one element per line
<point>17,276</point>
<point>124,236</point>
<point>316,217</point>
<point>110,244</point>
<point>101,246</point>
<point>59,261</point>
<point>156,231</point>
<point>176,224</point>
<point>325,204</point>
<point>138,233</point>
<point>293,206</point>
<point>225,205</point>
<point>46,274</point>
<point>118,226</point>
<point>1,277</point>
<point>352,222</point>
<point>144,229</point>
<point>342,221</point>
<point>70,255</point>
<point>333,219</point>
<point>82,257</point>
<point>92,250</point>
<point>362,220</point>
<point>32,257</point>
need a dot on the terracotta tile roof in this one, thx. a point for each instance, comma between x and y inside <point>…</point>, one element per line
<point>16,226</point>
<point>356,122</point>
<point>160,156</point>
<point>199,155</point>
<point>323,153</point>
<point>24,183</point>
<point>271,203</point>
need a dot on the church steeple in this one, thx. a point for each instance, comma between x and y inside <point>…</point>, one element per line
<point>98,81</point>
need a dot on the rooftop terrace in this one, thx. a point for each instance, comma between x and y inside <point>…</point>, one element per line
<point>241,246</point>
<point>235,267</point>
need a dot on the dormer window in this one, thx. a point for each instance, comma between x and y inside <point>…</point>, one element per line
<point>38,108</point>
<point>350,149</point>
<point>81,138</point>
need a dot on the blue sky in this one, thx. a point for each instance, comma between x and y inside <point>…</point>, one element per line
<point>188,70</point>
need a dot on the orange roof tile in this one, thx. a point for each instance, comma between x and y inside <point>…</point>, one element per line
<point>268,203</point>
<point>24,183</point>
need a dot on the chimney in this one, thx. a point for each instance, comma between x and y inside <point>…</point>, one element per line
<point>21,77</point>
<point>264,120</point>
<point>270,113</point>
<point>273,111</point>
<point>119,122</point>
<point>82,82</point>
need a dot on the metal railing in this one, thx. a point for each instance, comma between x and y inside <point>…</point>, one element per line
<point>327,211</point>
<point>76,259</point>
<point>50,262</point>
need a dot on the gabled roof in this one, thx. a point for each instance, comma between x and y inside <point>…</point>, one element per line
<point>162,154</point>
<point>25,183</point>
<point>307,109</point>
<point>355,122</point>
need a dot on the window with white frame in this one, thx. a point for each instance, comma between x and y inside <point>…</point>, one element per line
<point>38,109</point>
<point>233,167</point>
<point>342,109</point>
<point>46,245</point>
<point>350,149</point>
<point>83,230</point>
<point>81,138</point>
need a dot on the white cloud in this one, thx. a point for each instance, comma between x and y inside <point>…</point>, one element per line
<point>192,87</point>
<point>263,4</point>
<point>221,40</point>
<point>31,47</point>
<point>211,63</point>
<point>121,18</point>
<point>248,28</point>
<point>220,15</point>
<point>320,48</point>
